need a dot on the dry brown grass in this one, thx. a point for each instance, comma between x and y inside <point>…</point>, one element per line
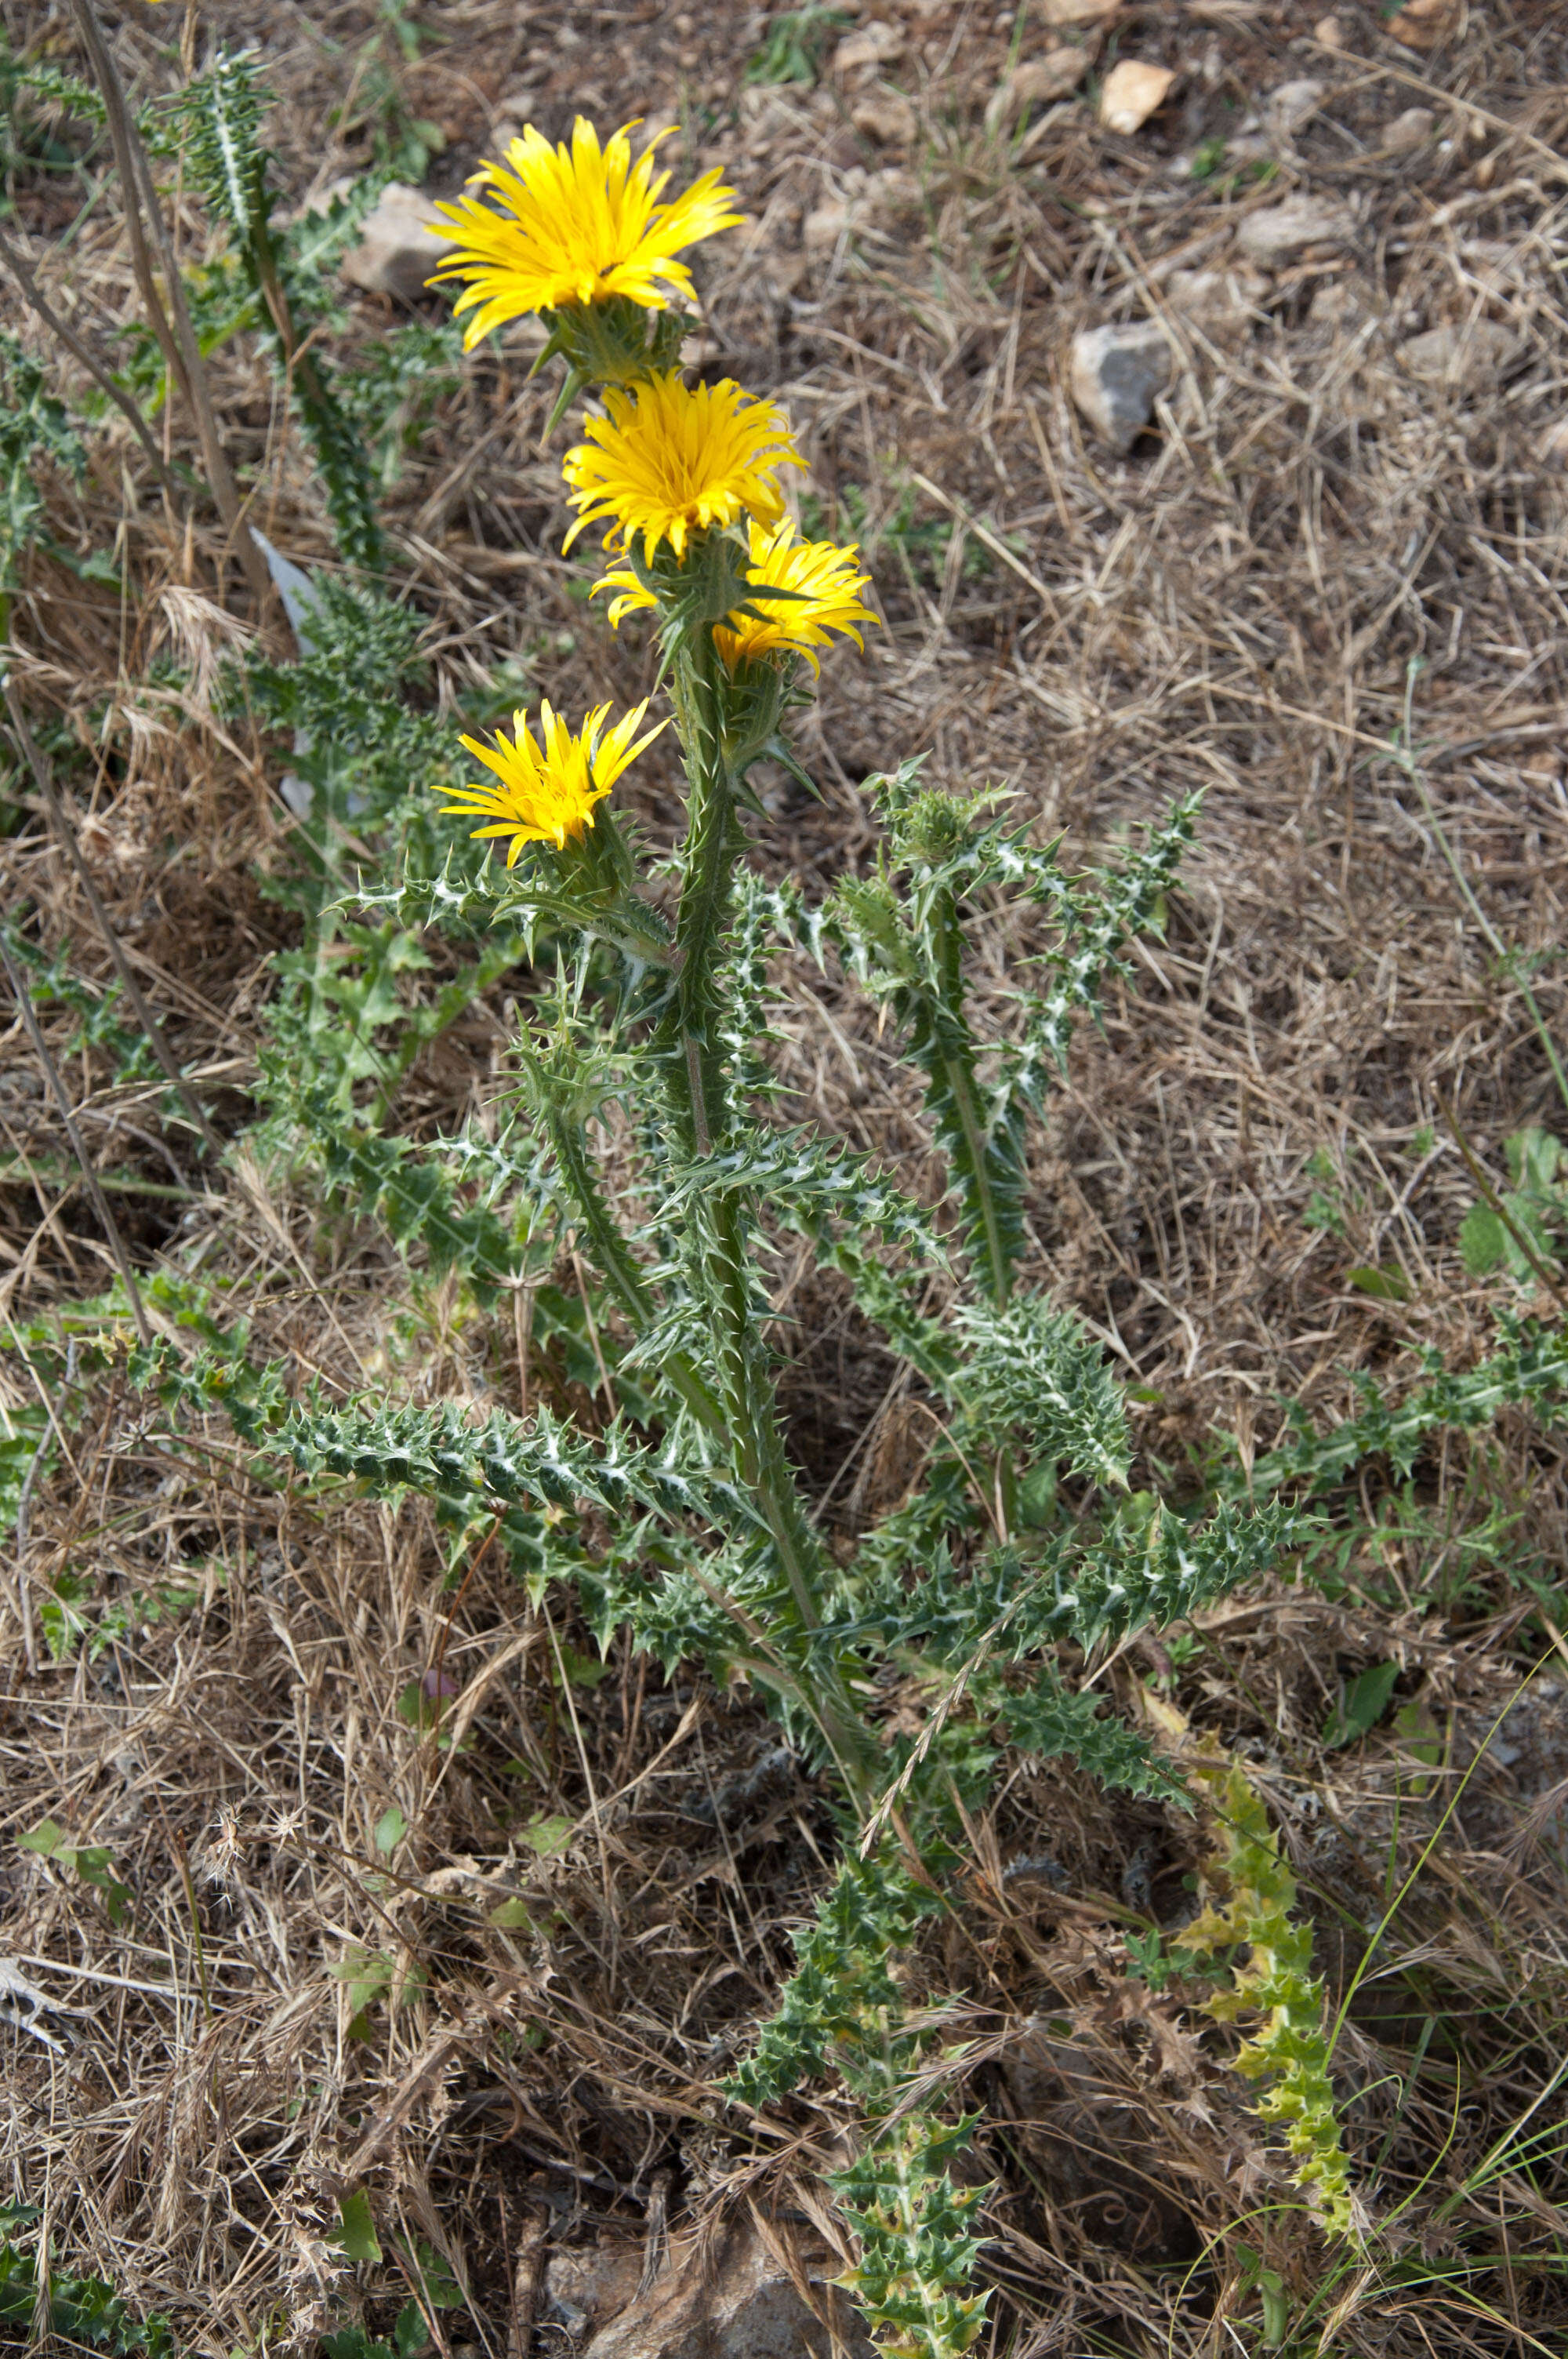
<point>1235,607</point>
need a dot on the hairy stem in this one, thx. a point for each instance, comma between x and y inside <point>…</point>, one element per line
<point>953,1050</point>
<point>620,1270</point>
<point>694,1062</point>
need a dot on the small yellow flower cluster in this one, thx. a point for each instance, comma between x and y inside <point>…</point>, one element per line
<point>576,227</point>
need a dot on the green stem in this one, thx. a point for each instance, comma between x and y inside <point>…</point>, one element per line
<point>954,1050</point>
<point>693,1056</point>
<point>620,1270</point>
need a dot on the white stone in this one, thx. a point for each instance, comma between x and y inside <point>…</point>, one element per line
<point>1466,356</point>
<point>397,253</point>
<point>1130,92</point>
<point>1291,105</point>
<point>1341,304</point>
<point>886,116</point>
<point>893,193</point>
<point>1409,131</point>
<point>1076,12</point>
<point>1037,82</point>
<point>1216,298</point>
<point>873,45</point>
<point>1116,374</point>
<point>742,2305</point>
<point>1279,231</point>
<point>825,226</point>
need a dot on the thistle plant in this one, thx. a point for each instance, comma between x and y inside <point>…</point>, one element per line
<point>662,1005</point>
<point>1021,1534</point>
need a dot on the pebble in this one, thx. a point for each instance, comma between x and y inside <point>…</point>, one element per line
<point>1340,303</point>
<point>735,2298</point>
<point>874,45</point>
<point>1468,355</point>
<point>1036,83</point>
<point>1116,374</point>
<point>1130,92</point>
<point>396,253</point>
<point>1409,131</point>
<point>825,226</point>
<point>1279,231</point>
<point>887,117</point>
<point>1216,298</point>
<point>1291,105</point>
<point>1423,24</point>
<point>894,193</point>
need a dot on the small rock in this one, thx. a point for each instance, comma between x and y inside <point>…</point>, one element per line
<point>1328,31</point>
<point>873,45</point>
<point>764,109</point>
<point>1422,24</point>
<point>1216,298</point>
<point>1130,92</point>
<point>1116,374</point>
<point>745,2307</point>
<point>1340,303</point>
<point>892,194</point>
<point>825,226</point>
<point>1077,12</point>
<point>1036,83</point>
<point>1281,230</point>
<point>586,2285</point>
<point>1291,105</point>
<point>885,117</point>
<point>1466,356</point>
<point>400,245</point>
<point>1409,131</point>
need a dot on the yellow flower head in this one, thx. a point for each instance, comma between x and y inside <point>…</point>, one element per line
<point>826,580</point>
<point>666,461</point>
<point>546,790</point>
<point>827,583</point>
<point>578,225</point>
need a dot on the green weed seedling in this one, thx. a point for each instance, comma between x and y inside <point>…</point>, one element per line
<point>1360,1704</point>
<point>795,40</point>
<point>1525,1226</point>
<point>92,1863</point>
<point>83,2310</point>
